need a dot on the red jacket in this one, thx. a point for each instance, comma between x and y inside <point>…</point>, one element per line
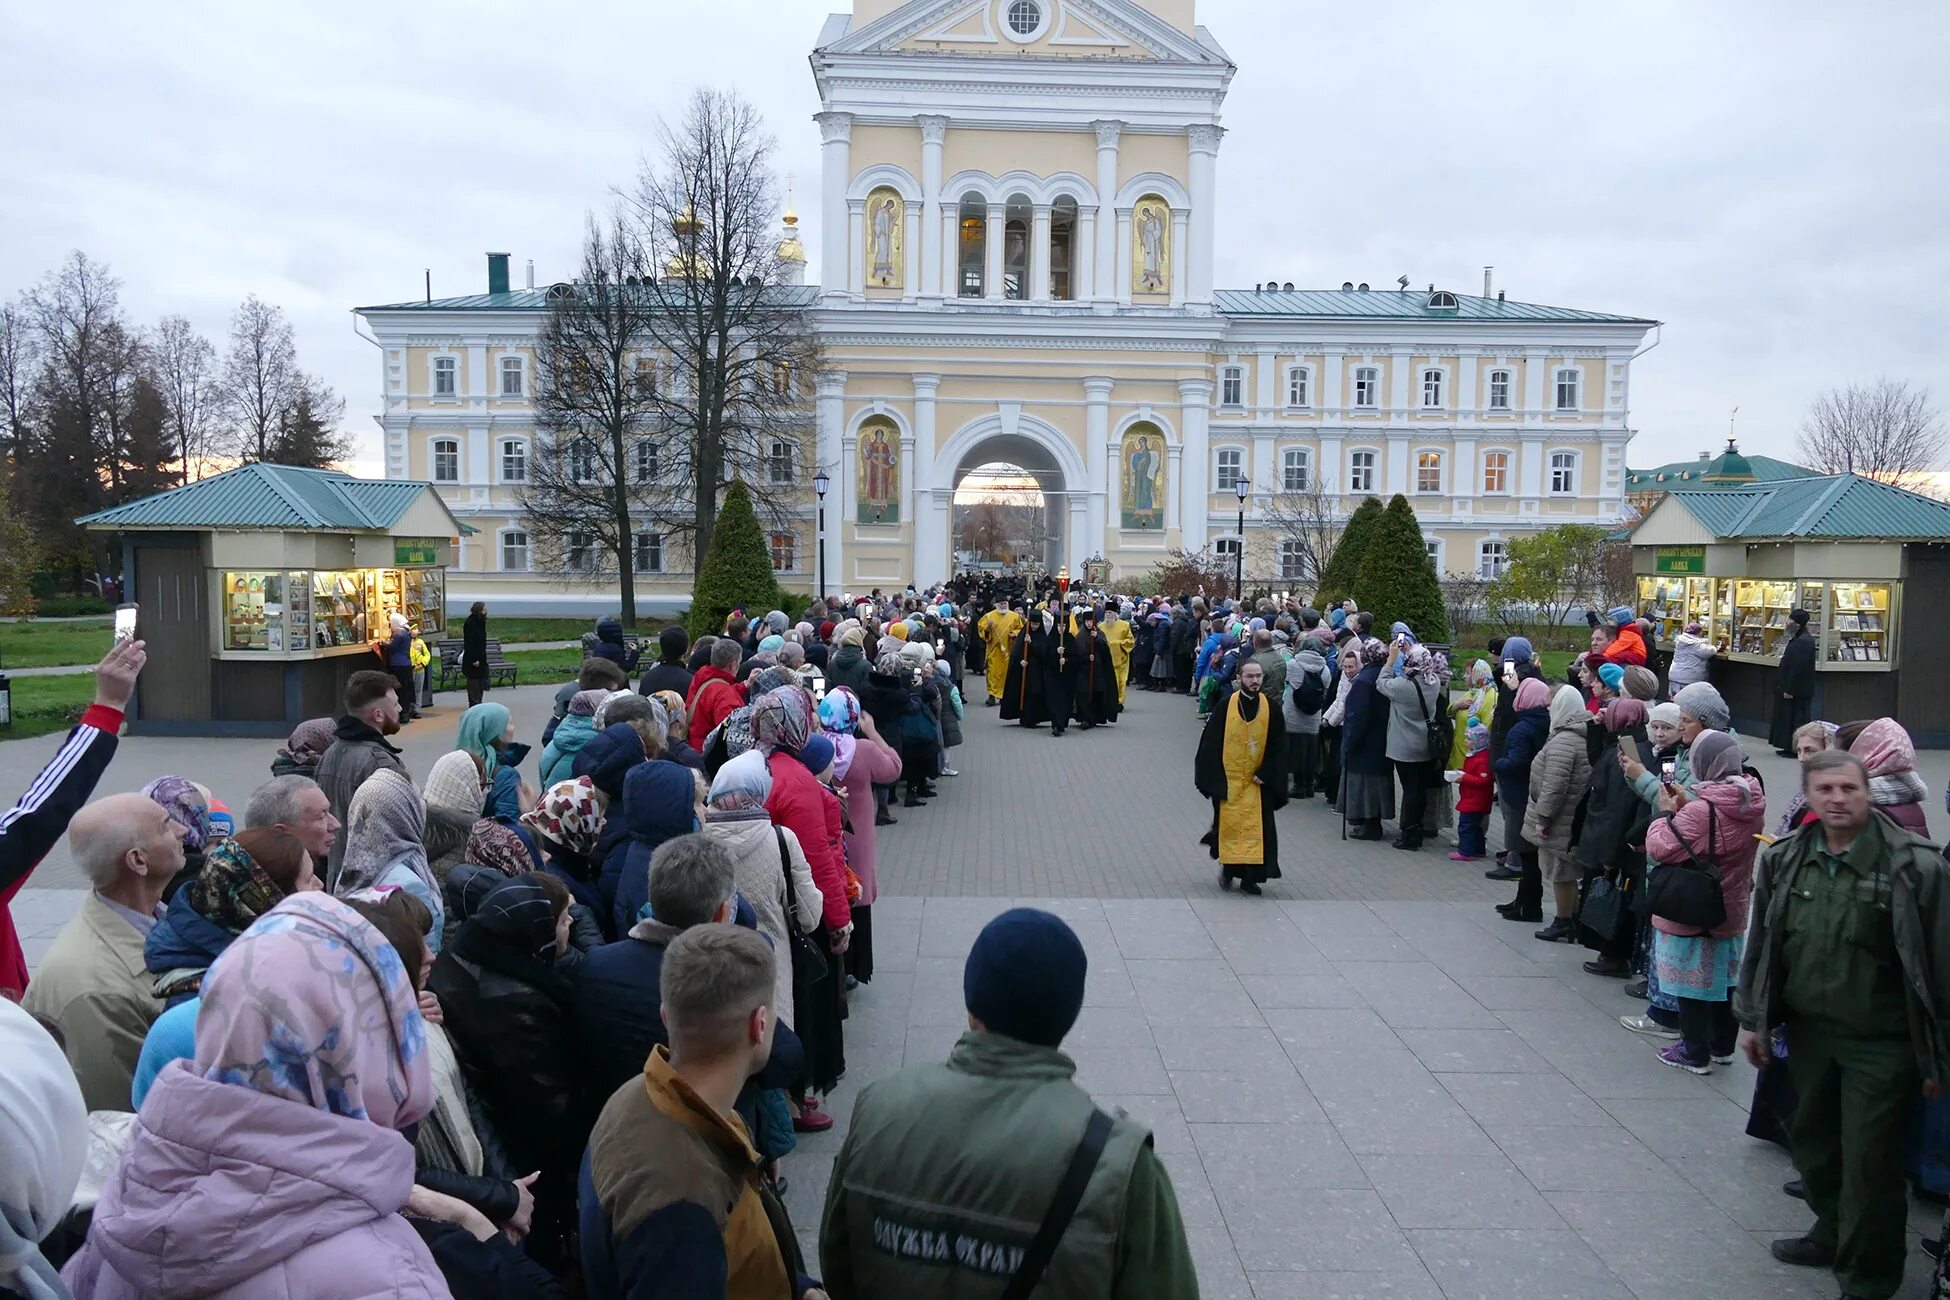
<point>35,824</point>
<point>812,812</point>
<point>716,702</point>
<point>1473,791</point>
<point>699,680</point>
<point>1627,648</point>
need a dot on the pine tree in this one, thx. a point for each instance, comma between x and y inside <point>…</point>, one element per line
<point>1396,579</point>
<point>1338,578</point>
<point>149,453</point>
<point>737,572</point>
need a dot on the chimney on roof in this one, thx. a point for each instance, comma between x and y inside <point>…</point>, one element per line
<point>1706,456</point>
<point>497,272</point>
<point>531,273</point>
<point>1486,280</point>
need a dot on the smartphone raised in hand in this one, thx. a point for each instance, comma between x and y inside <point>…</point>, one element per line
<point>124,623</point>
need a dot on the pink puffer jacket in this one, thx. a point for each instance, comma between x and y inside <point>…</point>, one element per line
<point>1733,844</point>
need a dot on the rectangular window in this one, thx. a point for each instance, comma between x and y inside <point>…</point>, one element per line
<point>1564,473</point>
<point>646,377</point>
<point>1428,471</point>
<point>1232,386</point>
<point>781,378</point>
<point>1367,386</point>
<point>1296,386</point>
<point>643,461</point>
<point>514,551</point>
<point>1360,472</point>
<point>1492,558</point>
<point>1496,471</point>
<point>446,372</point>
<point>1567,389</point>
<point>1231,466</point>
<point>446,460</point>
<point>1431,388</point>
<point>649,553</point>
<point>511,376</point>
<point>1296,471</point>
<point>1293,561</point>
<point>582,461</point>
<point>1435,554</point>
<point>785,552</point>
<point>779,468</point>
<point>579,552</point>
<point>514,461</point>
<point>1499,390</point>
<point>1226,547</point>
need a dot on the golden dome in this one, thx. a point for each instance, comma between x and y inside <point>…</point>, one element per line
<point>791,250</point>
<point>685,223</point>
<point>682,267</point>
<point>791,217</point>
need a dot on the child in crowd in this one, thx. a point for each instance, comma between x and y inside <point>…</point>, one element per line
<point>1473,798</point>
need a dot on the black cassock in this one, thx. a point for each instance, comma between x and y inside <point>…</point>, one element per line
<point>1209,774</point>
<point>1025,691</point>
<point>1093,677</point>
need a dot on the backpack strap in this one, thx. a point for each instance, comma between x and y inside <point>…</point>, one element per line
<point>1069,1194</point>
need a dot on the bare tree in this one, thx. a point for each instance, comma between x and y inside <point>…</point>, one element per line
<point>260,376</point>
<point>1307,521</point>
<point>18,358</point>
<point>67,442</point>
<point>186,374</point>
<point>1467,598</point>
<point>738,341</point>
<point>1885,430</point>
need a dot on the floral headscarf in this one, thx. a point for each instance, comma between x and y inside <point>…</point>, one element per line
<point>309,741</point>
<point>673,707</point>
<point>232,890</point>
<point>769,679</point>
<point>743,783</point>
<point>737,731</point>
<point>311,1004</point>
<point>1425,666</point>
<point>891,665</point>
<point>583,704</point>
<point>480,732</point>
<point>493,844</point>
<point>1889,754</point>
<point>454,783</point>
<point>1373,650</point>
<point>839,712</point>
<point>184,802</point>
<point>383,826</point>
<point>570,814</point>
<point>782,719</point>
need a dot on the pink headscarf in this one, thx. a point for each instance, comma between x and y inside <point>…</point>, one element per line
<point>1885,748</point>
<point>1532,694</point>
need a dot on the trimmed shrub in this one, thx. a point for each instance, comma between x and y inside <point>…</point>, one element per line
<point>1337,580</point>
<point>737,571</point>
<point>1396,579</point>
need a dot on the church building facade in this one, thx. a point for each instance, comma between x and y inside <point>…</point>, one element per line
<point>1017,222</point>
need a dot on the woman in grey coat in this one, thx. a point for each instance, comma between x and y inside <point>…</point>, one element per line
<point>1415,699</point>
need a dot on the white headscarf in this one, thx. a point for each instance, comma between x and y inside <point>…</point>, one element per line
<point>43,1143</point>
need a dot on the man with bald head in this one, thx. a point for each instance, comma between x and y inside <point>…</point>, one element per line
<point>93,983</point>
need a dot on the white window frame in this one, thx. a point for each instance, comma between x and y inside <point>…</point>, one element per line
<point>433,459</point>
<point>646,368</point>
<point>451,370</point>
<point>1293,561</point>
<point>1003,25</point>
<point>1221,481</point>
<point>1301,458</point>
<point>792,550</point>
<point>1232,388</point>
<point>1436,551</point>
<point>1441,472</point>
<point>501,446</point>
<point>1227,547</point>
<point>1299,387</point>
<point>518,368</point>
<point>637,450</point>
<point>1355,485</point>
<point>1490,386</point>
<point>1438,376</point>
<point>637,548</point>
<point>1492,566</point>
<point>1574,377</point>
<point>578,449</point>
<point>781,454</point>
<point>590,563</point>
<point>1575,469</point>
<point>1373,382</point>
<point>501,545</point>
<point>1509,472</point>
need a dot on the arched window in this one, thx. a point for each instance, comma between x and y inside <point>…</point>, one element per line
<point>1360,471</point>
<point>1063,249</point>
<point>514,551</point>
<point>973,246</point>
<point>1492,558</point>
<point>1567,388</point>
<point>514,460</point>
<point>446,460</point>
<point>1428,471</point>
<point>1296,470</point>
<point>1367,387</point>
<point>1499,390</point>
<point>1431,388</point>
<point>1299,386</point>
<point>1015,247</point>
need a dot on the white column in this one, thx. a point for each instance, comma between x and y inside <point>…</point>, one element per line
<point>949,285</point>
<point>1399,381</point>
<point>1074,550</point>
<point>933,130</point>
<point>1180,219</point>
<point>992,250</point>
<point>1175,488</point>
<point>1039,254</point>
<point>1121,242</point>
<point>1333,365</point>
<point>1467,367</point>
<point>856,251</point>
<point>911,283</point>
<point>1530,465</point>
<point>1108,133</point>
<point>1464,474</point>
<point>1399,451</point>
<point>1194,415</point>
<point>836,171</point>
<point>1534,369</point>
<point>830,413</point>
<point>1096,437</point>
<point>1086,254</point>
<point>1266,398</point>
<point>1204,143</point>
<point>930,529</point>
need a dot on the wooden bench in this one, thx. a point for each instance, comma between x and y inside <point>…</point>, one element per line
<point>500,671</point>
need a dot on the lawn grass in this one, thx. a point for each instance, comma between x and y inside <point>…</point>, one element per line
<point>1555,663</point>
<point>46,645</point>
<point>44,704</point>
<point>515,630</point>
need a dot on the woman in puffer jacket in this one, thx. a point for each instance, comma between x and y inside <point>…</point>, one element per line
<point>1558,779</point>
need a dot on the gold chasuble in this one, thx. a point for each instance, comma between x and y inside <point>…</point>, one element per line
<point>1240,824</point>
<point>1122,643</point>
<point>998,628</point>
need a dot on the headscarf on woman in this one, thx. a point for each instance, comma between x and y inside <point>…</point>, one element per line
<point>570,814</point>
<point>383,827</point>
<point>889,645</point>
<point>891,664</point>
<point>454,783</point>
<point>769,679</point>
<point>1532,693</point>
<point>1567,706</point>
<point>898,631</point>
<point>492,844</point>
<point>1373,650</point>
<point>1641,683</point>
<point>818,753</point>
<point>513,932</point>
<point>771,645</point>
<point>187,806</point>
<point>743,783</point>
<point>232,890</point>
<point>1701,702</point>
<point>583,704</point>
<point>480,732</point>
<point>309,740</point>
<point>312,1005</point>
<point>1890,757</point>
<point>854,635</point>
<point>1621,715</point>
<point>737,731</point>
<point>43,1146</point>
<point>1716,756</point>
<point>673,707</point>
<point>396,621</point>
<point>1424,666</point>
<point>782,719</point>
<point>839,712</point>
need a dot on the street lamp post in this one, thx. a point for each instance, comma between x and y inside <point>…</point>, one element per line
<point>820,484</point>
<point>1242,486</point>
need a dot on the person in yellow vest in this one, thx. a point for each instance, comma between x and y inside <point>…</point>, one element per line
<point>1238,768</point>
<point>1122,642</point>
<point>421,658</point>
<point>999,628</point>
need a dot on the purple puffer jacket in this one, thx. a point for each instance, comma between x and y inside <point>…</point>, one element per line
<point>226,1192</point>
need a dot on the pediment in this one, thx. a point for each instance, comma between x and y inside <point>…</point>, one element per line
<point>1071,29</point>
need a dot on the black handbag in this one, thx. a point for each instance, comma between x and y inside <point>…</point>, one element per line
<point>1606,910</point>
<point>809,964</point>
<point>1688,893</point>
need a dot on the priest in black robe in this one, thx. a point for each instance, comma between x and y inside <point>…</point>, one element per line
<point>1058,673</point>
<point>1238,768</point>
<point>1093,673</point>
<point>1025,691</point>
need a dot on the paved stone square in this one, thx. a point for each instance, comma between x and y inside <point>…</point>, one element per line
<point>1363,1084</point>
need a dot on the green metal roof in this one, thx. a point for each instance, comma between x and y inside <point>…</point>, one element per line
<point>1391,304</point>
<point>269,496</point>
<point>1839,506</point>
<point>789,295</point>
<point>1688,473</point>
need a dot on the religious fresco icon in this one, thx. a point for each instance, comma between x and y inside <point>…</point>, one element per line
<point>880,473</point>
<point>1143,461</point>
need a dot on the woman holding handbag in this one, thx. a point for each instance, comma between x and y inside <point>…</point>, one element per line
<point>1709,830</point>
<point>1611,845</point>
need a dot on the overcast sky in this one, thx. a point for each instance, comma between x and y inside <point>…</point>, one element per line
<point>1770,179</point>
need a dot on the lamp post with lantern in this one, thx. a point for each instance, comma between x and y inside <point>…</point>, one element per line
<point>820,484</point>
<point>1242,486</point>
